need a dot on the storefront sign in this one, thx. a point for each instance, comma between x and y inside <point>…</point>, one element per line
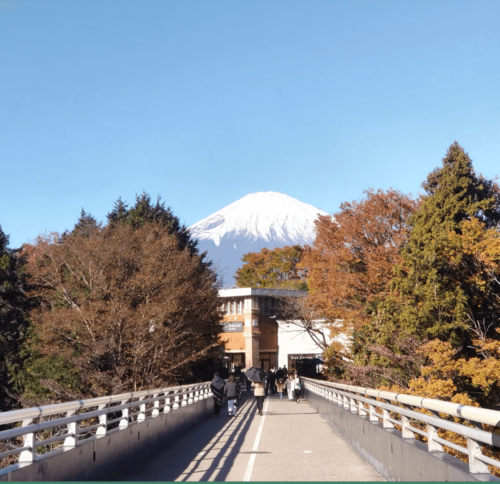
<point>302,357</point>
<point>232,327</point>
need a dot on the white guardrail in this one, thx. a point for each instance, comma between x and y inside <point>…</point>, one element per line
<point>363,401</point>
<point>39,433</point>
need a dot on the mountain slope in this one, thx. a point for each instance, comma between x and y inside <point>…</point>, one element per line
<point>263,219</point>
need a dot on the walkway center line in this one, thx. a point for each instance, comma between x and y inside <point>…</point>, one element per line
<point>255,448</point>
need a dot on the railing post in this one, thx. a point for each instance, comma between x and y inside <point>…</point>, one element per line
<point>70,441</point>
<point>373,414</point>
<point>432,445</point>
<point>406,432</point>
<point>156,407</point>
<point>197,396</point>
<point>167,408</point>
<point>28,441</point>
<point>354,405</point>
<point>175,406</point>
<point>184,401</point>
<point>191,398</point>
<point>385,422</point>
<point>125,413</point>
<point>102,430</point>
<point>361,409</point>
<point>346,402</point>
<point>141,416</point>
<point>475,465</point>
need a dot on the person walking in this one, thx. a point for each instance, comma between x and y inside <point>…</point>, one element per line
<point>233,393</point>
<point>280,385</point>
<point>271,378</point>
<point>217,386</point>
<point>296,387</point>
<point>289,392</point>
<point>285,371</point>
<point>259,392</point>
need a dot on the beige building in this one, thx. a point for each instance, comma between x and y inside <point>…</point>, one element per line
<point>251,326</point>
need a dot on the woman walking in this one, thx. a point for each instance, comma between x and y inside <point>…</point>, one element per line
<point>232,392</point>
<point>217,387</point>
<point>289,391</point>
<point>296,387</point>
<point>259,392</point>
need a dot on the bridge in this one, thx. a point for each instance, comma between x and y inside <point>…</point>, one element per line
<point>336,433</point>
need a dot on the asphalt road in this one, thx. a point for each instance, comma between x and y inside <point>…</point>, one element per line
<point>291,442</point>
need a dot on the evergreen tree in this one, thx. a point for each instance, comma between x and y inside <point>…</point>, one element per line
<point>438,296</point>
<point>144,211</point>
<point>119,212</point>
<point>13,322</point>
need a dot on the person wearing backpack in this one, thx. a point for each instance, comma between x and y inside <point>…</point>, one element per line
<point>233,393</point>
<point>217,386</point>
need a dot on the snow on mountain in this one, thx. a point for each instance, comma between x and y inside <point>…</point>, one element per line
<point>263,219</point>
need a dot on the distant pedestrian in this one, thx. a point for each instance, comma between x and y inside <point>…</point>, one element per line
<point>280,374</point>
<point>296,387</point>
<point>289,391</point>
<point>285,371</point>
<point>280,385</point>
<point>271,378</point>
<point>233,394</point>
<point>259,393</point>
<point>217,386</point>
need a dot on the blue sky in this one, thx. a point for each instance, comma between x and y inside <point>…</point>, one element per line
<point>205,101</point>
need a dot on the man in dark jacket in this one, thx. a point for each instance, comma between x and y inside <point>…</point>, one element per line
<point>271,378</point>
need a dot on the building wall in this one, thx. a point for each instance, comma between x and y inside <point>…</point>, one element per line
<point>262,337</point>
<point>294,341</point>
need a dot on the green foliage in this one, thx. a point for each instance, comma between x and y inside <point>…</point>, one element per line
<point>13,316</point>
<point>437,301</point>
<point>144,211</point>
<point>273,269</point>
<point>33,375</point>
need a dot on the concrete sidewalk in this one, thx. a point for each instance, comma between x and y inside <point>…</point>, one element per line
<point>291,442</point>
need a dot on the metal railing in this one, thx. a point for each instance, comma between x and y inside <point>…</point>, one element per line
<point>41,432</point>
<point>377,406</point>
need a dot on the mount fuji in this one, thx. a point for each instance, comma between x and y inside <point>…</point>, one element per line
<point>258,220</point>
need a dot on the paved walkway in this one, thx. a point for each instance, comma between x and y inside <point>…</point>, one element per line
<point>290,442</point>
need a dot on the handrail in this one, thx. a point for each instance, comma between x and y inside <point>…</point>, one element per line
<point>78,425</point>
<point>363,401</point>
<point>475,414</point>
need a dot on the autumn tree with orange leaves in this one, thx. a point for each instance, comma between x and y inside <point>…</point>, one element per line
<point>127,306</point>
<point>278,268</point>
<point>351,262</point>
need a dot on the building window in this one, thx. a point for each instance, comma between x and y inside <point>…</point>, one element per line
<point>240,308</point>
<point>234,307</point>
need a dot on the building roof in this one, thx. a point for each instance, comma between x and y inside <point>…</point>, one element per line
<point>252,291</point>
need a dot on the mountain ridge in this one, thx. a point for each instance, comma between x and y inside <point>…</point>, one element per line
<point>255,221</point>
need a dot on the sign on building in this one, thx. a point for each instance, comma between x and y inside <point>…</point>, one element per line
<point>232,327</point>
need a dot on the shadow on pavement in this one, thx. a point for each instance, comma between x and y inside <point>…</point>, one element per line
<point>204,452</point>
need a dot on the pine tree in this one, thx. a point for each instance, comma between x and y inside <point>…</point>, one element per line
<point>438,299</point>
<point>145,211</point>
<point>13,322</point>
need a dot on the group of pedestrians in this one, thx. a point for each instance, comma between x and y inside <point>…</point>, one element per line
<point>275,383</point>
<point>230,389</point>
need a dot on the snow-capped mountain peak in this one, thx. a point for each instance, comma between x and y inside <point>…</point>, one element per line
<point>263,219</point>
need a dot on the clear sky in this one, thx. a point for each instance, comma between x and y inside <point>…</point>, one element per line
<point>204,101</point>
